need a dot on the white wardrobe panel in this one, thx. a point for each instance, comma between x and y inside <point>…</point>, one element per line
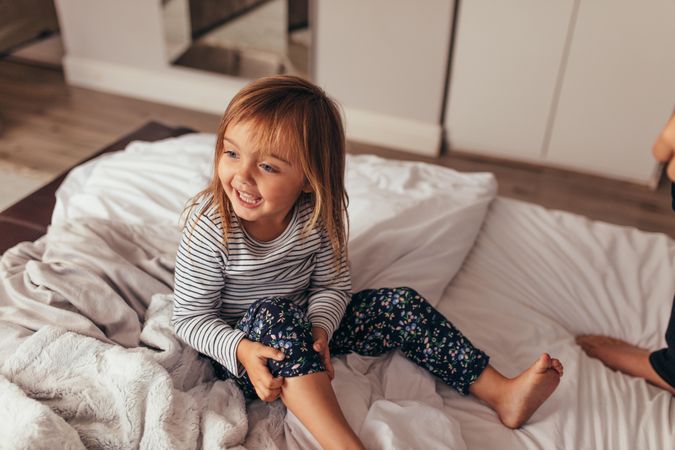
<point>618,88</point>
<point>507,59</point>
<point>388,57</point>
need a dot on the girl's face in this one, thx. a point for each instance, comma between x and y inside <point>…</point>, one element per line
<point>261,189</point>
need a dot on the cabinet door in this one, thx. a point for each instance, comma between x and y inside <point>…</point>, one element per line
<point>507,59</point>
<point>384,56</point>
<point>618,88</point>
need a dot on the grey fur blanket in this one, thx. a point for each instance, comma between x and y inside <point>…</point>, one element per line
<point>88,357</point>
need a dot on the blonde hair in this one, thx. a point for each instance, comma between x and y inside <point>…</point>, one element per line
<point>291,116</point>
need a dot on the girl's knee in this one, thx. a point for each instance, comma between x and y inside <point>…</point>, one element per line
<point>280,308</point>
<point>287,328</point>
<point>273,303</point>
<point>407,291</point>
<point>271,315</point>
<point>409,297</point>
<point>411,305</point>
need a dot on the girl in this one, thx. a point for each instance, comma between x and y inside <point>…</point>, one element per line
<point>262,283</point>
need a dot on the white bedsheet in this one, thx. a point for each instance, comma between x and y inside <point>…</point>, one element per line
<point>534,279</point>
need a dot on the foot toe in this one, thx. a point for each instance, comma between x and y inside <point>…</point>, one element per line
<point>544,362</point>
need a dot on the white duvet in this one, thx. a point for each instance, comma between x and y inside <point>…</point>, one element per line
<point>533,280</point>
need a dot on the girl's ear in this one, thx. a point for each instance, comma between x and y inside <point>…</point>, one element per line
<point>307,188</point>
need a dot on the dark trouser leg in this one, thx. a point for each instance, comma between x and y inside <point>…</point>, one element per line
<point>379,320</point>
<point>663,361</point>
<point>279,323</point>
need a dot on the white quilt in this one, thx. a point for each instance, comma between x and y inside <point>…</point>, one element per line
<point>534,279</point>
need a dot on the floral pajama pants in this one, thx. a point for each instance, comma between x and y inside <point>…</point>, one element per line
<point>376,321</point>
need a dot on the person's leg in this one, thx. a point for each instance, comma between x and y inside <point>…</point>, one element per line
<point>656,367</point>
<point>307,391</point>
<point>378,320</point>
<point>312,399</point>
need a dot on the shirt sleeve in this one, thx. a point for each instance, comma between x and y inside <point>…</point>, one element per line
<point>329,289</point>
<point>198,281</point>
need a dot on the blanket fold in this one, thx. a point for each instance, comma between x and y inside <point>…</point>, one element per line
<point>98,364</point>
<point>94,277</point>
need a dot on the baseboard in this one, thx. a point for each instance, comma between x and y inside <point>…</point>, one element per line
<point>177,86</point>
<point>202,91</point>
<point>412,136</point>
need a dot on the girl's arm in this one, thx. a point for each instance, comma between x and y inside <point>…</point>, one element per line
<point>198,280</point>
<point>329,289</point>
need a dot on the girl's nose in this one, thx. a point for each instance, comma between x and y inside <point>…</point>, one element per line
<point>243,175</point>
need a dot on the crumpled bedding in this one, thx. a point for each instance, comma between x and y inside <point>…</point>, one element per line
<point>534,279</point>
<point>90,358</point>
<point>104,368</point>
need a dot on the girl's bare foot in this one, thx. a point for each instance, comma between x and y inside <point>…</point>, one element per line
<point>529,390</point>
<point>516,399</point>
<point>622,356</point>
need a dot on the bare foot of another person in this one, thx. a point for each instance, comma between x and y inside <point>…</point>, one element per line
<point>622,356</point>
<point>516,399</point>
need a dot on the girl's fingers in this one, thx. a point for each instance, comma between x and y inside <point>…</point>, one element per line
<point>329,368</point>
<point>276,383</point>
<point>325,356</point>
<point>266,386</point>
<point>267,389</point>
<point>320,345</point>
<point>271,352</point>
<point>268,395</point>
<point>274,394</point>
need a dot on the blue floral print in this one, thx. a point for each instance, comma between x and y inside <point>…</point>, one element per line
<point>278,322</point>
<point>376,321</point>
<point>379,320</point>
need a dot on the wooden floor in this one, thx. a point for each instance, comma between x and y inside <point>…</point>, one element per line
<point>47,126</point>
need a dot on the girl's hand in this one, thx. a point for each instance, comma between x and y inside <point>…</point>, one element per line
<point>664,148</point>
<point>321,346</point>
<point>253,356</point>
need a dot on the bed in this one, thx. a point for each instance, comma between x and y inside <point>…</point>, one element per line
<point>89,360</point>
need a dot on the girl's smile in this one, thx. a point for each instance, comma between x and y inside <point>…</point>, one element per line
<point>248,200</point>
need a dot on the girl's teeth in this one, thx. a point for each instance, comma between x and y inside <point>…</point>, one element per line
<point>248,198</point>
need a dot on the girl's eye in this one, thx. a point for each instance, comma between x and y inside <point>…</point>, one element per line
<point>267,168</point>
<point>230,154</point>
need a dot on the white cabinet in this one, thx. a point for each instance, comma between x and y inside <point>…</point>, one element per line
<point>618,88</point>
<point>579,84</point>
<point>505,67</point>
<point>385,61</point>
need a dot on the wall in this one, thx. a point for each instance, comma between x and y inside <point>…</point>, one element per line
<point>386,62</point>
<point>370,55</point>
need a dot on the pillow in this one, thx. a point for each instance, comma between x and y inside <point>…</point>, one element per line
<point>146,183</point>
<point>411,224</point>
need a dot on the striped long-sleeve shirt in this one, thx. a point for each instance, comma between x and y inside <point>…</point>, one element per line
<point>215,284</point>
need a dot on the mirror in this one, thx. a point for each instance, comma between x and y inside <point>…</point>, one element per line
<point>242,38</point>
